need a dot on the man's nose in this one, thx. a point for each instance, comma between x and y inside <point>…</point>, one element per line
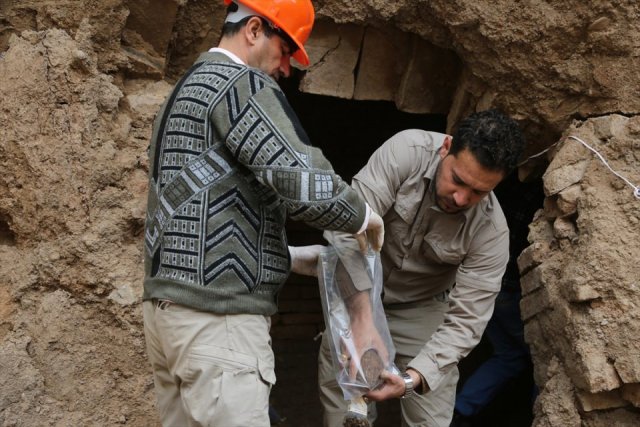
<point>462,197</point>
<point>285,66</point>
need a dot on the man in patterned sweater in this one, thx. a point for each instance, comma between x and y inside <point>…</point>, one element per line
<point>229,162</point>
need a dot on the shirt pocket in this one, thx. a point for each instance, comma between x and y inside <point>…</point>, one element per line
<point>408,201</point>
<point>397,229</point>
<point>441,251</point>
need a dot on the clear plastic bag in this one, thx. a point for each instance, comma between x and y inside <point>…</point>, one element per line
<point>361,345</point>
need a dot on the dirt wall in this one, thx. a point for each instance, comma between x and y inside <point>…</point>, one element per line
<point>80,81</point>
<point>581,283</point>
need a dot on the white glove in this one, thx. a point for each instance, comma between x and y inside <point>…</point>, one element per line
<point>304,259</point>
<point>373,235</point>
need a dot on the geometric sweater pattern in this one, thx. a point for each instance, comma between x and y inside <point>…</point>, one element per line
<point>229,162</point>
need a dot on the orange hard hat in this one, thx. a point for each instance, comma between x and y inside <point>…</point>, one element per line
<point>294,17</point>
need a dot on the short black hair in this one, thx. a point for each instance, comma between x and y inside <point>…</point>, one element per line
<point>231,28</point>
<point>494,139</point>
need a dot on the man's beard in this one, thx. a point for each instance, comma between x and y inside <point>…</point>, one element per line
<point>445,204</point>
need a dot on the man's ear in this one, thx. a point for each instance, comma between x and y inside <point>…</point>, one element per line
<point>252,29</point>
<point>445,147</point>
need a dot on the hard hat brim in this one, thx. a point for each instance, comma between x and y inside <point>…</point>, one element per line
<point>301,56</point>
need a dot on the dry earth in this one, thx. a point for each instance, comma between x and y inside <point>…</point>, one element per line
<point>80,81</point>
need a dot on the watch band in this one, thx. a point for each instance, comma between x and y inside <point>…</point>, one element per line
<point>408,386</point>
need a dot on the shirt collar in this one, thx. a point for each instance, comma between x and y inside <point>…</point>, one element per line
<point>432,166</point>
<point>231,55</point>
<point>430,174</point>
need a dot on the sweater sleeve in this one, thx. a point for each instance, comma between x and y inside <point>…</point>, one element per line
<point>265,136</point>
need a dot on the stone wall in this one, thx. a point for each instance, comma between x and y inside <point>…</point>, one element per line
<point>581,279</point>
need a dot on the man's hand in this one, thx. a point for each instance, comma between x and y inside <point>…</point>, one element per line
<point>373,234</point>
<point>304,259</point>
<point>393,386</point>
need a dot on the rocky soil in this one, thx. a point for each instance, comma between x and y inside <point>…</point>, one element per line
<point>80,82</point>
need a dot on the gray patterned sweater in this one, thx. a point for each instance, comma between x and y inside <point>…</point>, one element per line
<point>229,162</point>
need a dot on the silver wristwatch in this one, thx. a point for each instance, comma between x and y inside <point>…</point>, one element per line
<point>408,386</point>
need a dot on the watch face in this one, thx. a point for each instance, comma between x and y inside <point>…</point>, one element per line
<point>408,385</point>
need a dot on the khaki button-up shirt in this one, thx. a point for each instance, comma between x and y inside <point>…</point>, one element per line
<point>426,251</point>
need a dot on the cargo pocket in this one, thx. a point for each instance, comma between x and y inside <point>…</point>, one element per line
<point>267,372</point>
<point>226,387</point>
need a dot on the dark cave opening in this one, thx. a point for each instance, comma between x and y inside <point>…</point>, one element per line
<point>7,236</point>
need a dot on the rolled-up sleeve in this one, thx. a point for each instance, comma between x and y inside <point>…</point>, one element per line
<point>470,306</point>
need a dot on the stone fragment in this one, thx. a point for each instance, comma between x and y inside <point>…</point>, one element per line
<point>633,126</point>
<point>532,256</point>
<point>556,399</point>
<point>141,64</point>
<point>123,295</point>
<point>604,400</point>
<point>581,293</point>
<point>372,366</point>
<point>567,201</point>
<point>628,365</point>
<point>590,369</point>
<point>383,61</point>
<point>534,336</point>
<point>146,96</point>
<point>429,80</point>
<point>540,230</point>
<point>464,98</point>
<point>556,180</point>
<point>154,20</point>
<point>599,24</point>
<point>550,207</point>
<point>564,229</point>
<point>631,393</point>
<point>333,53</point>
<point>532,280</point>
<point>605,128</point>
<point>143,60</point>
<point>534,303</point>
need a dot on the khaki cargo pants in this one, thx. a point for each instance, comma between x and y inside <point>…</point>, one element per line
<point>208,369</point>
<point>410,329</point>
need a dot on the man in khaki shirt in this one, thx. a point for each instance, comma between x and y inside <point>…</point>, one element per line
<point>444,227</point>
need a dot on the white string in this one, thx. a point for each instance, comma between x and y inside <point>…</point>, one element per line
<point>537,154</point>
<point>636,189</point>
